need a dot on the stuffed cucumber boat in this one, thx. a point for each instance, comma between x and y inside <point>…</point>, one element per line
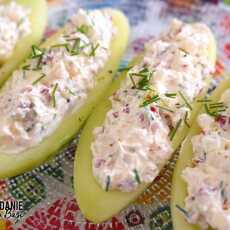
<point>46,101</point>
<point>143,119</point>
<point>22,23</point>
<point>201,186</point>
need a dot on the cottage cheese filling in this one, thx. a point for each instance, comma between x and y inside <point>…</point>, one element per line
<point>54,81</point>
<point>208,200</point>
<point>14,25</point>
<point>134,141</point>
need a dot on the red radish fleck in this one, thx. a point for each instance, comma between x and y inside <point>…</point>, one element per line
<point>115,114</point>
<point>227,50</point>
<point>99,163</point>
<point>126,110</point>
<point>221,120</point>
<point>219,68</point>
<point>153,109</point>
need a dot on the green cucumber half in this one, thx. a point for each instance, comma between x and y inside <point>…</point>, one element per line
<point>179,189</point>
<point>14,164</point>
<point>95,203</point>
<point>38,20</point>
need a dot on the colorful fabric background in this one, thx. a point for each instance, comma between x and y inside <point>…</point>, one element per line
<point>47,191</point>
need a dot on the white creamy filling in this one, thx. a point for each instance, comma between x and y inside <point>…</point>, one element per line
<point>134,142</point>
<point>14,25</point>
<point>54,81</point>
<point>208,200</point>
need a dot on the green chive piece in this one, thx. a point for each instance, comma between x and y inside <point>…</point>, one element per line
<point>93,49</point>
<point>214,109</point>
<point>38,66</point>
<point>71,92</point>
<point>53,95</point>
<point>36,52</point>
<point>171,95</point>
<point>133,82</point>
<point>26,67</point>
<point>222,191</point>
<point>182,210</point>
<point>76,47</point>
<point>84,29</point>
<point>174,130</point>
<point>186,119</point>
<point>207,110</point>
<point>216,105</point>
<point>65,45</point>
<point>151,100</point>
<point>137,177</point>
<point>39,79</point>
<point>164,108</point>
<point>204,100</point>
<point>183,50</point>
<point>185,100</point>
<point>108,181</point>
<point>144,83</point>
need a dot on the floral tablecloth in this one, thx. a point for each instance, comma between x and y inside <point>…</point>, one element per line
<point>47,191</point>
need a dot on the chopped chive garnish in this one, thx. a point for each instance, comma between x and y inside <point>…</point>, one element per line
<point>145,73</point>
<point>183,50</point>
<point>144,83</point>
<point>140,74</point>
<point>65,45</point>
<point>171,95</point>
<point>84,29</point>
<point>207,110</point>
<point>71,92</point>
<point>185,100</point>
<point>155,98</point>
<point>216,105</point>
<point>36,52</point>
<point>137,177</point>
<point>204,100</point>
<point>39,79</point>
<point>214,109</point>
<point>26,67</point>
<point>38,65</point>
<point>53,95</point>
<point>108,181</point>
<point>125,69</point>
<point>182,210</point>
<point>76,47</point>
<point>222,191</point>
<point>93,49</point>
<point>174,130</point>
<point>186,119</point>
<point>133,82</point>
<point>164,108</point>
